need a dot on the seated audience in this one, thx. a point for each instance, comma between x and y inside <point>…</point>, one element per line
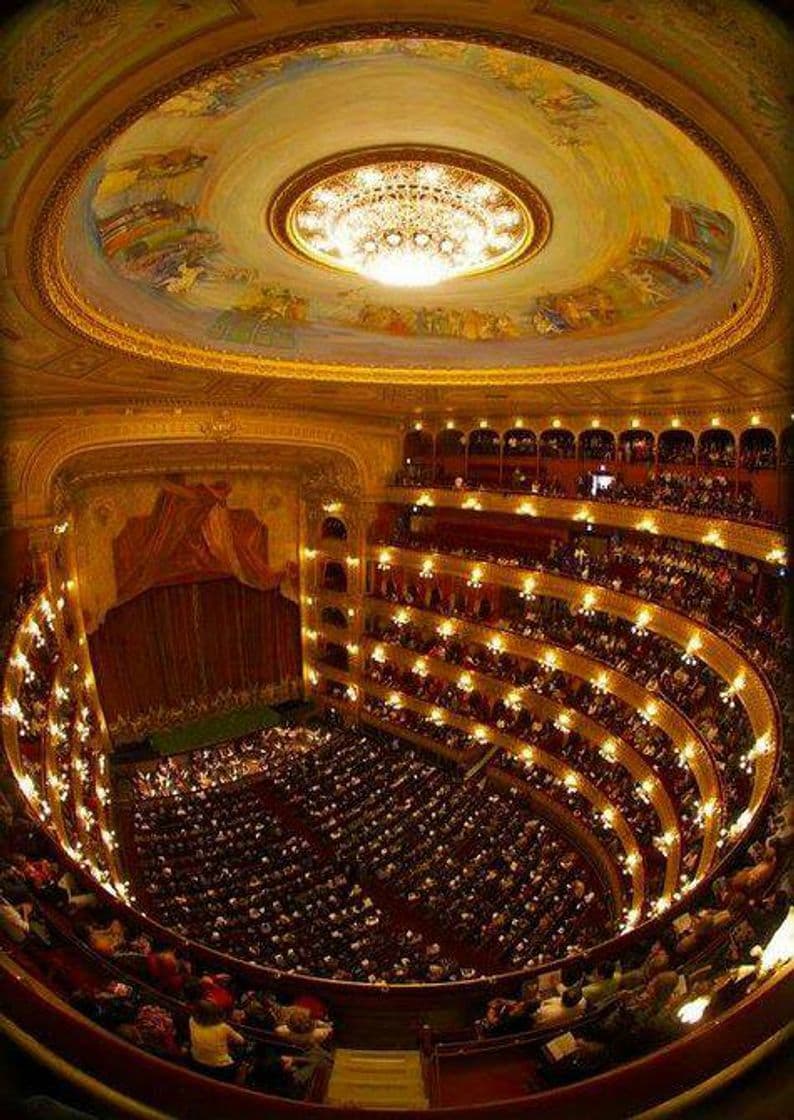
<point>210,1039</point>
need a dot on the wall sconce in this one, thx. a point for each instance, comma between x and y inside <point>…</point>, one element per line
<point>641,624</point>
<point>475,578</point>
<point>563,722</point>
<point>609,751</point>
<point>528,588</point>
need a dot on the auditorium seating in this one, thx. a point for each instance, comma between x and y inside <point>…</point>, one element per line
<point>280,870</point>
<point>542,748</point>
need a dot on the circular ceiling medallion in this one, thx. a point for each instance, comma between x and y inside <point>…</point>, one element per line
<point>410,217</point>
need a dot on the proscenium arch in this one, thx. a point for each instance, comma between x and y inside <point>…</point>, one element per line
<point>68,440</point>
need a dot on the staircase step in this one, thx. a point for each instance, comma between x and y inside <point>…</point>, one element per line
<point>377,1079</point>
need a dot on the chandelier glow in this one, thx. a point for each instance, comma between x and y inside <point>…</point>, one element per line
<point>410,222</point>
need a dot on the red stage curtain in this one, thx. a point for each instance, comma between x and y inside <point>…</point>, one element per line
<point>191,533</point>
<point>173,644</point>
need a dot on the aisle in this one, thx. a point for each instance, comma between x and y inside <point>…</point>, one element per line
<point>399,911</point>
<point>377,1079</point>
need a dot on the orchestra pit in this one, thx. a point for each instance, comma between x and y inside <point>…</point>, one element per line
<point>396,588</point>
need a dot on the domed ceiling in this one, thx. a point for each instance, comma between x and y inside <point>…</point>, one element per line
<point>652,254</point>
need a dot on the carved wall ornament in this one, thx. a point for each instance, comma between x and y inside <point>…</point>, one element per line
<point>220,427</point>
<point>337,478</point>
<point>63,496</point>
<point>103,510</point>
<point>318,438</point>
<point>12,455</point>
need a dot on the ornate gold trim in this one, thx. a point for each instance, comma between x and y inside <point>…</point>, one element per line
<point>58,293</point>
<point>716,651</point>
<point>581,664</point>
<point>586,842</point>
<point>743,537</point>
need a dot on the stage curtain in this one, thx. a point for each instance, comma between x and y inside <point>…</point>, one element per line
<point>192,534</point>
<point>171,645</point>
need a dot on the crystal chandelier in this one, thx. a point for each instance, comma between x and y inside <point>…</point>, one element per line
<point>410,222</point>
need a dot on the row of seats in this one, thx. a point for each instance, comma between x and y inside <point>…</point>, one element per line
<point>709,584</point>
<point>359,860</point>
<point>616,716</point>
<point>537,779</point>
<point>650,659</point>
<point>616,783</point>
<point>700,494</point>
<point>56,928</point>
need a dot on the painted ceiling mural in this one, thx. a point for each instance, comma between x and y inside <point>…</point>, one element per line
<point>750,69</point>
<point>57,55</point>
<point>168,232</point>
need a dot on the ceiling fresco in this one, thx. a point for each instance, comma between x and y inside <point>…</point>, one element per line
<point>73,67</point>
<point>735,51</point>
<point>165,243</point>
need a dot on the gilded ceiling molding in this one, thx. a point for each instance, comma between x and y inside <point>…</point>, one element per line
<point>58,293</point>
<point>365,453</point>
<point>734,417</point>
